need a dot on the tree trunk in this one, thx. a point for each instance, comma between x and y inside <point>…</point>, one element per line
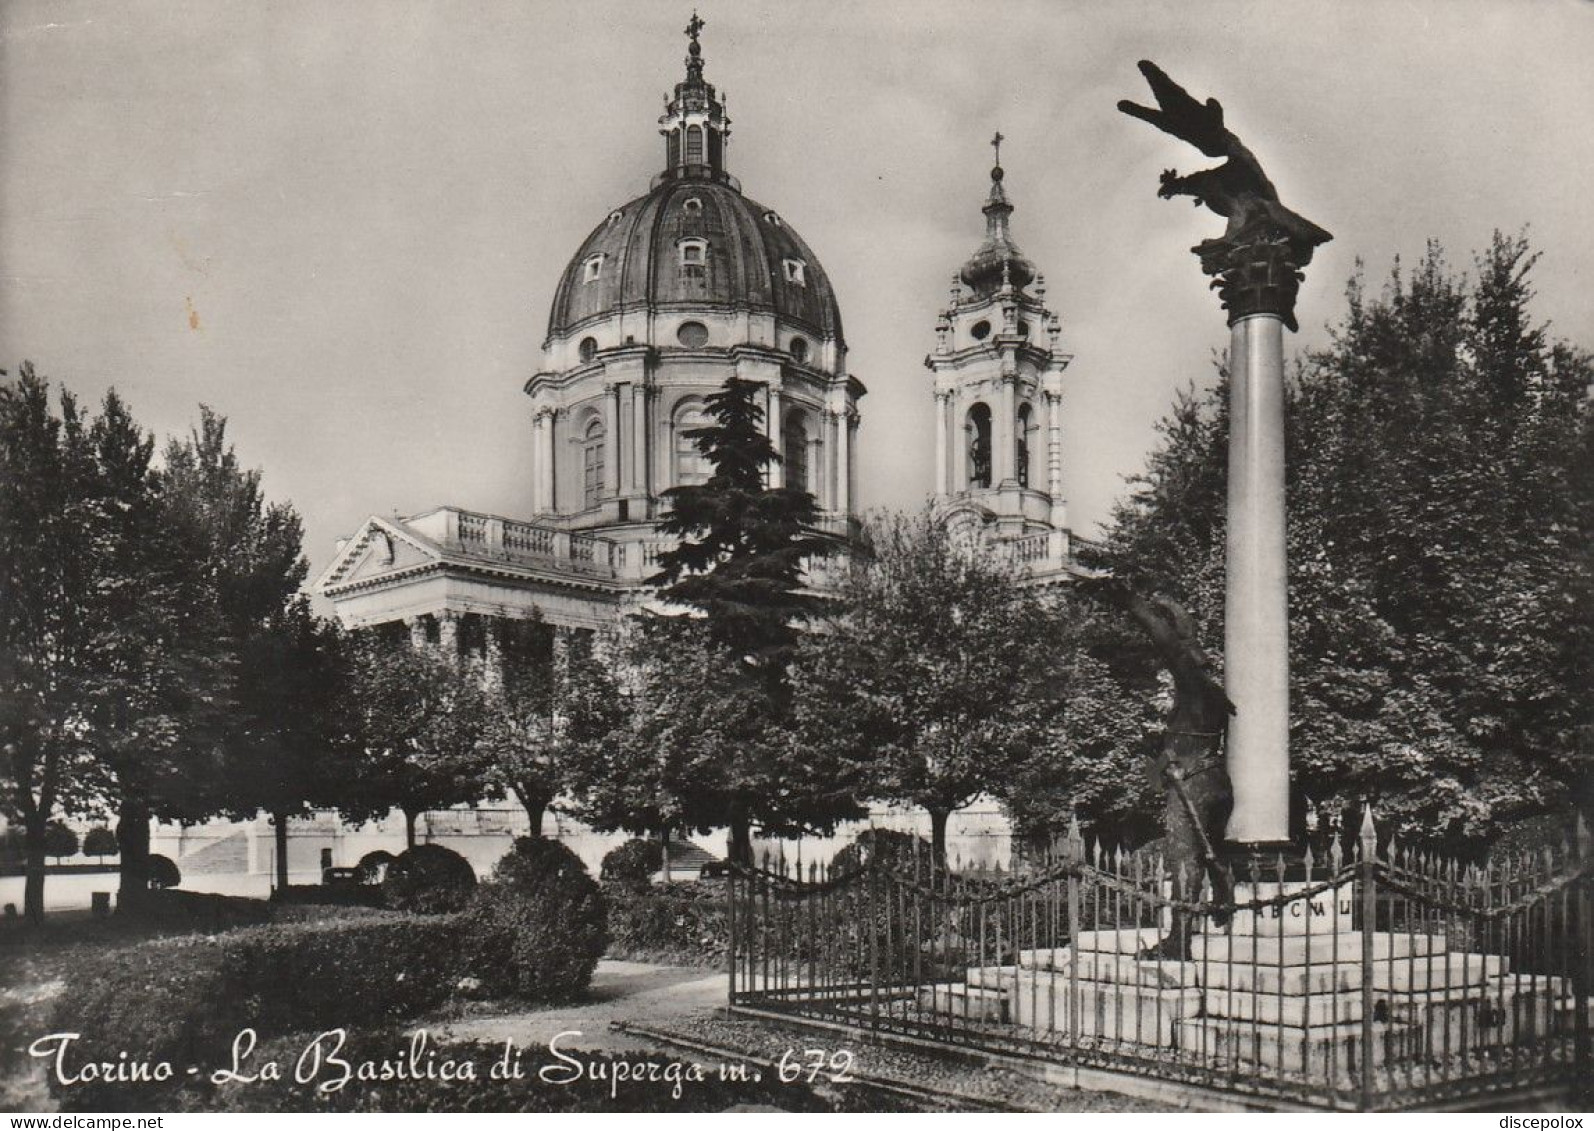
<point>280,822</point>
<point>535,803</point>
<point>742,841</point>
<point>132,838</point>
<point>938,819</point>
<point>409,828</point>
<point>33,887</point>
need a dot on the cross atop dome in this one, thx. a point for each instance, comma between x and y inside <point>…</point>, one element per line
<point>996,144</point>
<point>694,50</point>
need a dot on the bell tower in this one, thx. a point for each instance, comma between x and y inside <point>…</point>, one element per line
<point>998,366</point>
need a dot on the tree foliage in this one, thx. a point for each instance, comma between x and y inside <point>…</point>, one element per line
<point>1441,510</point>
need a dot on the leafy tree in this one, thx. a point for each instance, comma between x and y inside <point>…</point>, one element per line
<point>700,745</point>
<point>51,525</point>
<point>99,842</point>
<point>739,563</point>
<point>929,681</point>
<point>417,717</point>
<point>1439,545</point>
<point>740,558</point>
<point>60,840</point>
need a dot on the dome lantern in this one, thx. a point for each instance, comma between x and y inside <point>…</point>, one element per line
<point>695,126</point>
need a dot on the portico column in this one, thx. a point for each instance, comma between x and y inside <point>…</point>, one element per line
<point>492,654</point>
<point>611,441</point>
<point>448,635</point>
<point>957,425</point>
<point>545,465</point>
<point>417,627</point>
<point>943,399</point>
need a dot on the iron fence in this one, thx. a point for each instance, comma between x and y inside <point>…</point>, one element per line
<point>1374,979</point>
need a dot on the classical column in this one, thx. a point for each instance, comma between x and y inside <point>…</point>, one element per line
<point>545,466</point>
<point>1054,454</point>
<point>611,441</point>
<point>1003,469</point>
<point>1257,281</point>
<point>448,634</point>
<point>639,438</point>
<point>943,400</point>
<point>492,654</point>
<point>417,627</point>
<point>843,500</point>
<point>536,460</point>
<point>852,457</point>
<point>772,426</point>
<point>958,427</point>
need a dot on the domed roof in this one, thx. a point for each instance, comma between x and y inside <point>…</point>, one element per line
<point>751,259</point>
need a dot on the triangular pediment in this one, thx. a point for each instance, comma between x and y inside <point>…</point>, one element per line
<point>380,547</point>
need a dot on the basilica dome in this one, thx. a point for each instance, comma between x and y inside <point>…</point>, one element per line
<point>695,243</point>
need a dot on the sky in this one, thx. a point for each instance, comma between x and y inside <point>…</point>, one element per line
<point>340,223</point>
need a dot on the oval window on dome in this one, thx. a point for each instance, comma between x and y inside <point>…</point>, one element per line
<point>980,330</point>
<point>799,349</point>
<point>693,204</point>
<point>588,348</point>
<point>692,335</point>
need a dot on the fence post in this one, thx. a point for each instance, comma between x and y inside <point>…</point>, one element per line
<point>1368,854</point>
<point>873,926</point>
<point>1075,855</point>
<point>730,927</point>
<point>1582,964</point>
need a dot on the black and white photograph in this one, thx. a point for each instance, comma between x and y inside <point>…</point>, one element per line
<point>765,557</point>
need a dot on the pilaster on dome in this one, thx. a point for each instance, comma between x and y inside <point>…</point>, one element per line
<point>997,262</point>
<point>695,126</point>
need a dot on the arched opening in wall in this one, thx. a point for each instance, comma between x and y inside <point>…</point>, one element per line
<point>799,350</point>
<point>794,452</point>
<point>588,349</point>
<point>978,438</point>
<point>1023,445</point>
<point>694,145</point>
<point>691,466</point>
<point>592,444</point>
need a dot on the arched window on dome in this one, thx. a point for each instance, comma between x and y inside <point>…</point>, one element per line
<point>592,445</point>
<point>794,452</point>
<point>694,145</point>
<point>1022,446</point>
<point>691,466</point>
<point>977,435</point>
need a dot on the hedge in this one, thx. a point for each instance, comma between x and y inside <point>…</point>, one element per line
<point>428,879</point>
<point>683,924</point>
<point>183,1000</point>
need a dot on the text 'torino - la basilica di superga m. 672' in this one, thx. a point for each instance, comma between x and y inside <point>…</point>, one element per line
<point>672,293</point>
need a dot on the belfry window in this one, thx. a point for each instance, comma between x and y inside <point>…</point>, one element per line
<point>694,145</point>
<point>978,437</point>
<point>592,457</point>
<point>592,268</point>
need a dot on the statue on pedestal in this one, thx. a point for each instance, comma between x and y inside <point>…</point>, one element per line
<point>1265,242</point>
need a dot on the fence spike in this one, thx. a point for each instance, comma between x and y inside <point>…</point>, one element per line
<point>1306,859</point>
<point>813,871</point>
<point>1369,832</point>
<point>1073,826</point>
<point>1583,839</point>
<point>766,858</point>
<point>1336,854</point>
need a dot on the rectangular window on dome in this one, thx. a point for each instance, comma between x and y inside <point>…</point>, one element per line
<point>795,273</point>
<point>592,269</point>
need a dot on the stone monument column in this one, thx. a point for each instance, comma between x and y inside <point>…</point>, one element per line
<point>1256,265</point>
<point>1257,282</point>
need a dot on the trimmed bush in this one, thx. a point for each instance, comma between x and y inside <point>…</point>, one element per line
<point>373,866</point>
<point>633,864</point>
<point>163,872</point>
<point>59,840</point>
<point>429,880</point>
<point>184,999</point>
<point>100,841</point>
<point>537,928</point>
